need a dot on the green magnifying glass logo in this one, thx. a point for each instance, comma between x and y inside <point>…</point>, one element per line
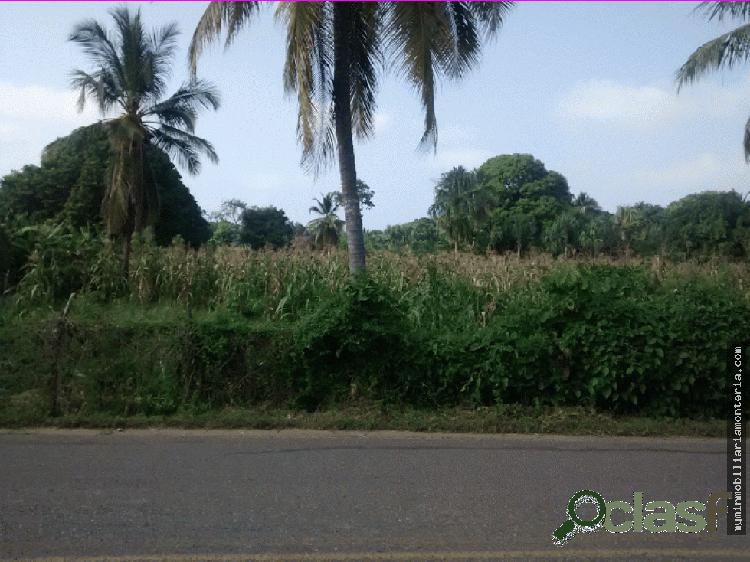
<point>575,524</point>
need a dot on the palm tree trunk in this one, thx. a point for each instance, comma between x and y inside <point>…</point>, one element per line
<point>343,114</point>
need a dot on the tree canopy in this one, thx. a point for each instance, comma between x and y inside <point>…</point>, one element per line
<point>265,226</point>
<point>70,183</point>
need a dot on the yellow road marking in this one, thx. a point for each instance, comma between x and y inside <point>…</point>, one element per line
<point>562,553</point>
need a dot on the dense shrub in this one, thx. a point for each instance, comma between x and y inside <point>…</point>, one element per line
<point>209,329</point>
<point>357,343</point>
<point>613,338</point>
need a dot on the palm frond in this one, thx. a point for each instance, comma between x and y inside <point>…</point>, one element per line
<point>217,17</point>
<point>725,51</point>
<point>326,205</point>
<point>367,59</point>
<point>413,35</point>
<point>100,86</point>
<point>308,73</point>
<point>183,146</point>
<point>132,47</point>
<point>99,47</point>
<point>721,10</point>
<point>181,108</point>
<point>490,15</point>
<point>160,51</point>
<point>432,39</point>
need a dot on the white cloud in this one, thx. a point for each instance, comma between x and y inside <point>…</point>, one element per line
<point>648,106</point>
<point>41,103</point>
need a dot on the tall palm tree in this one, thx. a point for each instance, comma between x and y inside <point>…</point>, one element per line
<point>335,51</point>
<point>131,68</point>
<point>325,229</point>
<point>726,51</point>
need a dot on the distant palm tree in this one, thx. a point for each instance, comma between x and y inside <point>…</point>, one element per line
<point>131,68</point>
<point>326,228</point>
<point>461,204</point>
<point>725,51</point>
<point>628,219</point>
<point>334,53</point>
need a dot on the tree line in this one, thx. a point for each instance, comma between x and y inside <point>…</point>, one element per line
<point>509,204</point>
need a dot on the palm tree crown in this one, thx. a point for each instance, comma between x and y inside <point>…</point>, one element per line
<point>326,205</point>
<point>726,51</point>
<point>325,229</point>
<point>131,69</point>
<point>334,58</point>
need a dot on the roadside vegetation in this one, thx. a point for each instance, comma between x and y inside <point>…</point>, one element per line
<point>200,331</point>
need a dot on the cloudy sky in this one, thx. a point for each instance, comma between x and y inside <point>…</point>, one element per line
<point>588,88</point>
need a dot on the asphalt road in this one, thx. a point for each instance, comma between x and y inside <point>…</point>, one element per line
<point>293,495</point>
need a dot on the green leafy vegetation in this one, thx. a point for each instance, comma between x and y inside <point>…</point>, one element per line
<point>201,331</point>
<point>512,203</point>
<point>69,186</point>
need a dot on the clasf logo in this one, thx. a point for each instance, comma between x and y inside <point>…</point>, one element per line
<point>640,516</point>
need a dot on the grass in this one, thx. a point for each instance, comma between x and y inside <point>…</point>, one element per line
<point>502,419</point>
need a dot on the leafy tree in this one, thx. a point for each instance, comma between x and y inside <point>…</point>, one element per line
<point>726,51</point>
<point>705,224</point>
<point>130,75</point>
<point>325,229</point>
<point>561,235</point>
<point>7,265</point>
<point>520,185</point>
<point>647,236</point>
<point>230,211</point>
<point>629,220</point>
<point>265,226</point>
<point>420,236</point>
<point>364,193</point>
<point>598,233</point>
<point>424,236</point>
<point>70,183</point>
<point>178,212</point>
<point>334,53</point>
<point>516,177</point>
<point>460,205</point>
<point>225,233</point>
<point>225,226</point>
<point>513,230</point>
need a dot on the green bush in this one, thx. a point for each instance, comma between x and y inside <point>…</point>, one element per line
<point>611,338</point>
<point>356,343</point>
<point>185,335</point>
